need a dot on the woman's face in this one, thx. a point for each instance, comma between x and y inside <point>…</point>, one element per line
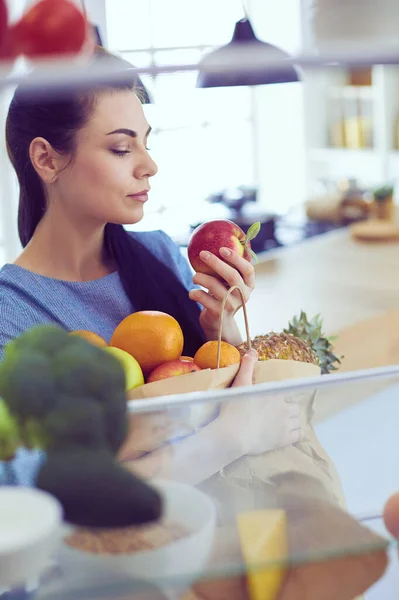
<point>108,178</point>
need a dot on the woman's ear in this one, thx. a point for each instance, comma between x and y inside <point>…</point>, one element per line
<point>45,160</point>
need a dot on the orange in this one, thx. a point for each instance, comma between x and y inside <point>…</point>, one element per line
<point>152,337</point>
<point>206,356</point>
<point>91,337</point>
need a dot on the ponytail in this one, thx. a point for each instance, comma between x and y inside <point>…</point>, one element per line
<point>151,285</point>
<point>32,209</point>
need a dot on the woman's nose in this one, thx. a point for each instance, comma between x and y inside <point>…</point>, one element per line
<point>146,167</point>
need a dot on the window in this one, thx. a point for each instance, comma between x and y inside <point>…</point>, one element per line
<point>202,138</point>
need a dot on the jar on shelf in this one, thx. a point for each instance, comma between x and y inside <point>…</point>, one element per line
<point>384,207</point>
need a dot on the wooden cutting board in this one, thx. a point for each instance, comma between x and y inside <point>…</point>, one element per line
<point>375,231</point>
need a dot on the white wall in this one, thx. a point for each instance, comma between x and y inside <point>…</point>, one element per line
<point>280,136</point>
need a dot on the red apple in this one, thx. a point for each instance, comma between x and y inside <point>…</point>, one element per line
<point>172,368</point>
<point>213,235</point>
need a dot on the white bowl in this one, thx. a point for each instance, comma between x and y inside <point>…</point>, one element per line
<point>175,565</point>
<point>30,525</point>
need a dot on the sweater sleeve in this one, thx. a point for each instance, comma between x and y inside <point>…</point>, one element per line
<point>10,325</point>
<point>16,316</point>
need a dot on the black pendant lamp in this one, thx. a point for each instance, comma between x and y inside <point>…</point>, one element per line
<point>226,62</point>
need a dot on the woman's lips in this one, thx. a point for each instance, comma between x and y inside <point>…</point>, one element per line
<point>141,196</point>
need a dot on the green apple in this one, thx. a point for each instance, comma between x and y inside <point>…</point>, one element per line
<point>133,372</point>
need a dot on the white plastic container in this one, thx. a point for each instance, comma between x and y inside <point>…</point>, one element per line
<point>30,526</point>
<point>175,565</point>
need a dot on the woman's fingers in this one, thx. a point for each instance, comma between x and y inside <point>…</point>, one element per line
<point>146,432</point>
<point>246,372</point>
<point>207,301</point>
<point>225,271</point>
<point>218,290</point>
<point>244,267</point>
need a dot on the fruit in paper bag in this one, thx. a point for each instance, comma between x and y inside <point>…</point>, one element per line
<point>133,372</point>
<point>206,356</point>
<point>302,341</point>
<point>152,337</point>
<point>173,368</point>
<point>213,235</point>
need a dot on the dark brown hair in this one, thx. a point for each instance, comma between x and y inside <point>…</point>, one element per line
<point>148,282</point>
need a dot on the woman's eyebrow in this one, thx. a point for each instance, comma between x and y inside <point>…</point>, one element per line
<point>129,132</point>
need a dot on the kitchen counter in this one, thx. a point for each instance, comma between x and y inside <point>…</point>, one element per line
<point>343,280</point>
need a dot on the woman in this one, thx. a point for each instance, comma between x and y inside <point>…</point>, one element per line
<point>84,171</point>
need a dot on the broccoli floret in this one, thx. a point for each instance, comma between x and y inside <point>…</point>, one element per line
<point>66,396</point>
<point>97,492</point>
<point>75,421</point>
<point>27,384</point>
<point>46,339</point>
<point>9,433</point>
<point>33,434</point>
<point>82,368</point>
<point>116,423</point>
<point>46,366</point>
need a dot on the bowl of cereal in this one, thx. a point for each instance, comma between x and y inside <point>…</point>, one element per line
<point>174,550</point>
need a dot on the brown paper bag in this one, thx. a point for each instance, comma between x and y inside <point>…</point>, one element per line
<point>281,370</point>
<point>234,487</point>
<point>150,431</point>
<point>200,381</point>
<point>307,457</point>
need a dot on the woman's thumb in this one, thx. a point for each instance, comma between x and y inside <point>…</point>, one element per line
<point>246,372</point>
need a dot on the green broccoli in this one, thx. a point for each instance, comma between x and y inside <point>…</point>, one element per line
<point>97,492</point>
<point>9,433</point>
<point>27,384</point>
<point>39,378</point>
<point>67,397</point>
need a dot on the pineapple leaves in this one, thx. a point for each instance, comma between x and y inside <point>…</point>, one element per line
<point>311,332</point>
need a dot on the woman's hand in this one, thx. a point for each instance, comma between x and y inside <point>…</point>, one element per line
<point>147,432</point>
<point>242,427</point>
<point>260,424</point>
<point>238,272</point>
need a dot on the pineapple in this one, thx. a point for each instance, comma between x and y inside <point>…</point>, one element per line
<point>303,341</point>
